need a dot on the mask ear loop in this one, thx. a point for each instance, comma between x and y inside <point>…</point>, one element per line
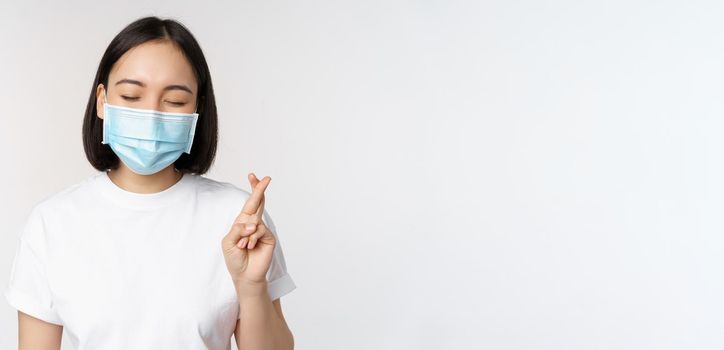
<point>104,139</point>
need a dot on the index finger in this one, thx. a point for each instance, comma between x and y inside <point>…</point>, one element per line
<point>254,181</point>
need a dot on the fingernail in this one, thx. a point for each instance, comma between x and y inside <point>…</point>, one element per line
<point>250,227</point>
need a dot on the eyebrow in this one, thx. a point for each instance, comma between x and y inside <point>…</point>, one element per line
<point>141,84</point>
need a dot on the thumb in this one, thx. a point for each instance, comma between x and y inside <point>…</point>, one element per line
<point>237,231</point>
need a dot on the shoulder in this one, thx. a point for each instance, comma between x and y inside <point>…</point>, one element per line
<point>54,204</point>
<point>220,190</point>
<point>67,198</point>
<point>226,194</point>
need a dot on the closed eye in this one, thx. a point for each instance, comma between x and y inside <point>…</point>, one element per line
<point>129,98</point>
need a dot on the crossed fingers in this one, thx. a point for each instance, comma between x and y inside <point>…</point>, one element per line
<point>252,213</point>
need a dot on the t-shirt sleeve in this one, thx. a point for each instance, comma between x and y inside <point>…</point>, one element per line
<point>28,290</point>
<point>279,281</point>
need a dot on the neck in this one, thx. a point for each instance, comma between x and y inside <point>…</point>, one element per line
<point>126,179</point>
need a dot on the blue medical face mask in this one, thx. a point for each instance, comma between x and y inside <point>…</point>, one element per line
<point>147,140</point>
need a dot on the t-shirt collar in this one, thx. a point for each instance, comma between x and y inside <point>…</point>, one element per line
<point>142,201</point>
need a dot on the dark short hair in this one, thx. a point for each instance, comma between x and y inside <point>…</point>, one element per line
<point>203,150</point>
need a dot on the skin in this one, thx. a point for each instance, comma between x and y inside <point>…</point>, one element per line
<point>157,65</point>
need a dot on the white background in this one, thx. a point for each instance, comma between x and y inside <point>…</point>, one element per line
<point>445,174</point>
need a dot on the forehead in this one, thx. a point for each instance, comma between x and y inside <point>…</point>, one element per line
<point>155,63</point>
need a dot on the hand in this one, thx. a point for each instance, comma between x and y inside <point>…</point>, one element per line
<point>249,245</point>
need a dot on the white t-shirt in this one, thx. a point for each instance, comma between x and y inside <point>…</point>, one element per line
<point>124,270</point>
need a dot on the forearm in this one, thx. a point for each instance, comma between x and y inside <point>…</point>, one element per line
<point>261,326</point>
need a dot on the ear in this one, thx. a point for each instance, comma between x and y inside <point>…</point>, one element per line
<point>100,90</point>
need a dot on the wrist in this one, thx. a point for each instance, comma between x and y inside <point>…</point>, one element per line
<point>250,289</point>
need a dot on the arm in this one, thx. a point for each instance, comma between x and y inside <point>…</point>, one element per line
<point>261,324</point>
<point>37,334</point>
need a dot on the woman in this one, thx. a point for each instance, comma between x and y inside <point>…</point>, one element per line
<point>129,258</point>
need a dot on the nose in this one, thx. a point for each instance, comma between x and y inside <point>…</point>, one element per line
<point>154,103</point>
